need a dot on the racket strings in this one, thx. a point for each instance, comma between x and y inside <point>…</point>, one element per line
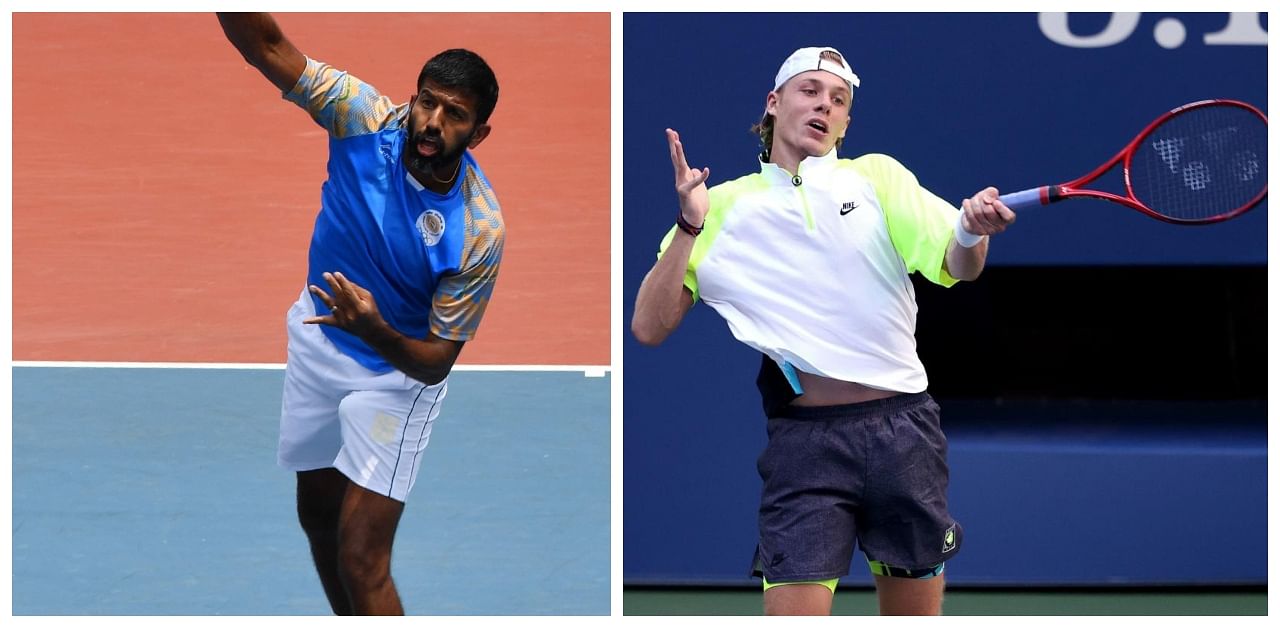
<point>1205,162</point>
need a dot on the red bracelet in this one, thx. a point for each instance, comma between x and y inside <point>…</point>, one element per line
<point>686,227</point>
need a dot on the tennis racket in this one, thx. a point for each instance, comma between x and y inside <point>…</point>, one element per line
<point>1201,163</point>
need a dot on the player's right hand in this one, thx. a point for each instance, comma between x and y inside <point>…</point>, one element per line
<point>691,185</point>
<point>986,214</point>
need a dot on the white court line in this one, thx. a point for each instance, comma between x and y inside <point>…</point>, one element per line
<point>586,369</point>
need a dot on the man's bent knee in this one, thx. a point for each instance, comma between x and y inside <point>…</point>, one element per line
<point>364,568</point>
<point>366,533</point>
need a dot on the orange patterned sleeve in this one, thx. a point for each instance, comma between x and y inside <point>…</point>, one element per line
<point>341,103</point>
<point>461,298</point>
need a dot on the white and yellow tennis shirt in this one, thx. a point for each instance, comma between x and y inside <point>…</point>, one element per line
<point>813,270</point>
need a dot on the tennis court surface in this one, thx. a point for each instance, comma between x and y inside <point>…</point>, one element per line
<point>154,491</point>
<point>961,602</point>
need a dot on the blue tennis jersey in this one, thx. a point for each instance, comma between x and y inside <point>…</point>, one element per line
<point>430,260</point>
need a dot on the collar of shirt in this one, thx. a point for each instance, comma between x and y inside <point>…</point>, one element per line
<point>811,165</point>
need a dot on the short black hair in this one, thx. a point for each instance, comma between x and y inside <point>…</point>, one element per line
<point>458,68</point>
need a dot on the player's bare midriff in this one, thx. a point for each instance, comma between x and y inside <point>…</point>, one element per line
<point>824,391</point>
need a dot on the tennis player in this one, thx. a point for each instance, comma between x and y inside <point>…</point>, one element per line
<point>402,264</point>
<point>808,262</point>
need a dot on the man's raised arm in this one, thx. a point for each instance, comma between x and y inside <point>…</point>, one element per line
<point>663,300</point>
<point>264,46</point>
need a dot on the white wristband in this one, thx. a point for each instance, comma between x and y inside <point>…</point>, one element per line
<point>964,238</point>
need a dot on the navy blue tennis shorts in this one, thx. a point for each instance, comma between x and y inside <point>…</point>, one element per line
<point>874,472</point>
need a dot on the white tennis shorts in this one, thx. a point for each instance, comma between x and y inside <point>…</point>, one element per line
<point>336,413</point>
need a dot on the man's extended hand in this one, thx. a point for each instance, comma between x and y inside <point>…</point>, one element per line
<point>691,185</point>
<point>986,214</point>
<point>353,308</point>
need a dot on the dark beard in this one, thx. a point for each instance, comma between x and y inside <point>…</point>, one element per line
<point>429,165</point>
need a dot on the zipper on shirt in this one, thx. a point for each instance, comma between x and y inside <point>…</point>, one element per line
<point>808,216</point>
<point>804,199</point>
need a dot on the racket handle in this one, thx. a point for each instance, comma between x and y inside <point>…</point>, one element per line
<point>1027,199</point>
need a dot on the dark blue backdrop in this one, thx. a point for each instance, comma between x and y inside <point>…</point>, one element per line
<point>964,101</point>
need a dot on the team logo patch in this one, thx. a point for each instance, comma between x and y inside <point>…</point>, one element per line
<point>385,428</point>
<point>949,539</point>
<point>431,226</point>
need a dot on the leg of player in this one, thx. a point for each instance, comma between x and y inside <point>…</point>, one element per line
<point>797,599</point>
<point>366,531</point>
<point>909,596</point>
<point>320,494</point>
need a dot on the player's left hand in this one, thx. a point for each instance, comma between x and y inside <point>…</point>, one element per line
<point>352,307</point>
<point>985,214</point>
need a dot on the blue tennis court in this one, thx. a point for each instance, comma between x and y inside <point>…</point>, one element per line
<point>154,491</point>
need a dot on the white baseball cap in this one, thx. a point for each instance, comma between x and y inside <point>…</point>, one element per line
<point>806,59</point>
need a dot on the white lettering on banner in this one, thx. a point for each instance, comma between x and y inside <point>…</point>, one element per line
<point>1170,33</point>
<point>1242,29</point>
<point>1119,27</point>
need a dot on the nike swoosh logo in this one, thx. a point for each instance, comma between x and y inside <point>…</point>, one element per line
<point>847,210</point>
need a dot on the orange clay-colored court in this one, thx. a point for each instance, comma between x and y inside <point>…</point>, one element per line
<point>164,193</point>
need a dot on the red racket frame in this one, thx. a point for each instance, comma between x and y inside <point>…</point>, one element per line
<point>1053,193</point>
